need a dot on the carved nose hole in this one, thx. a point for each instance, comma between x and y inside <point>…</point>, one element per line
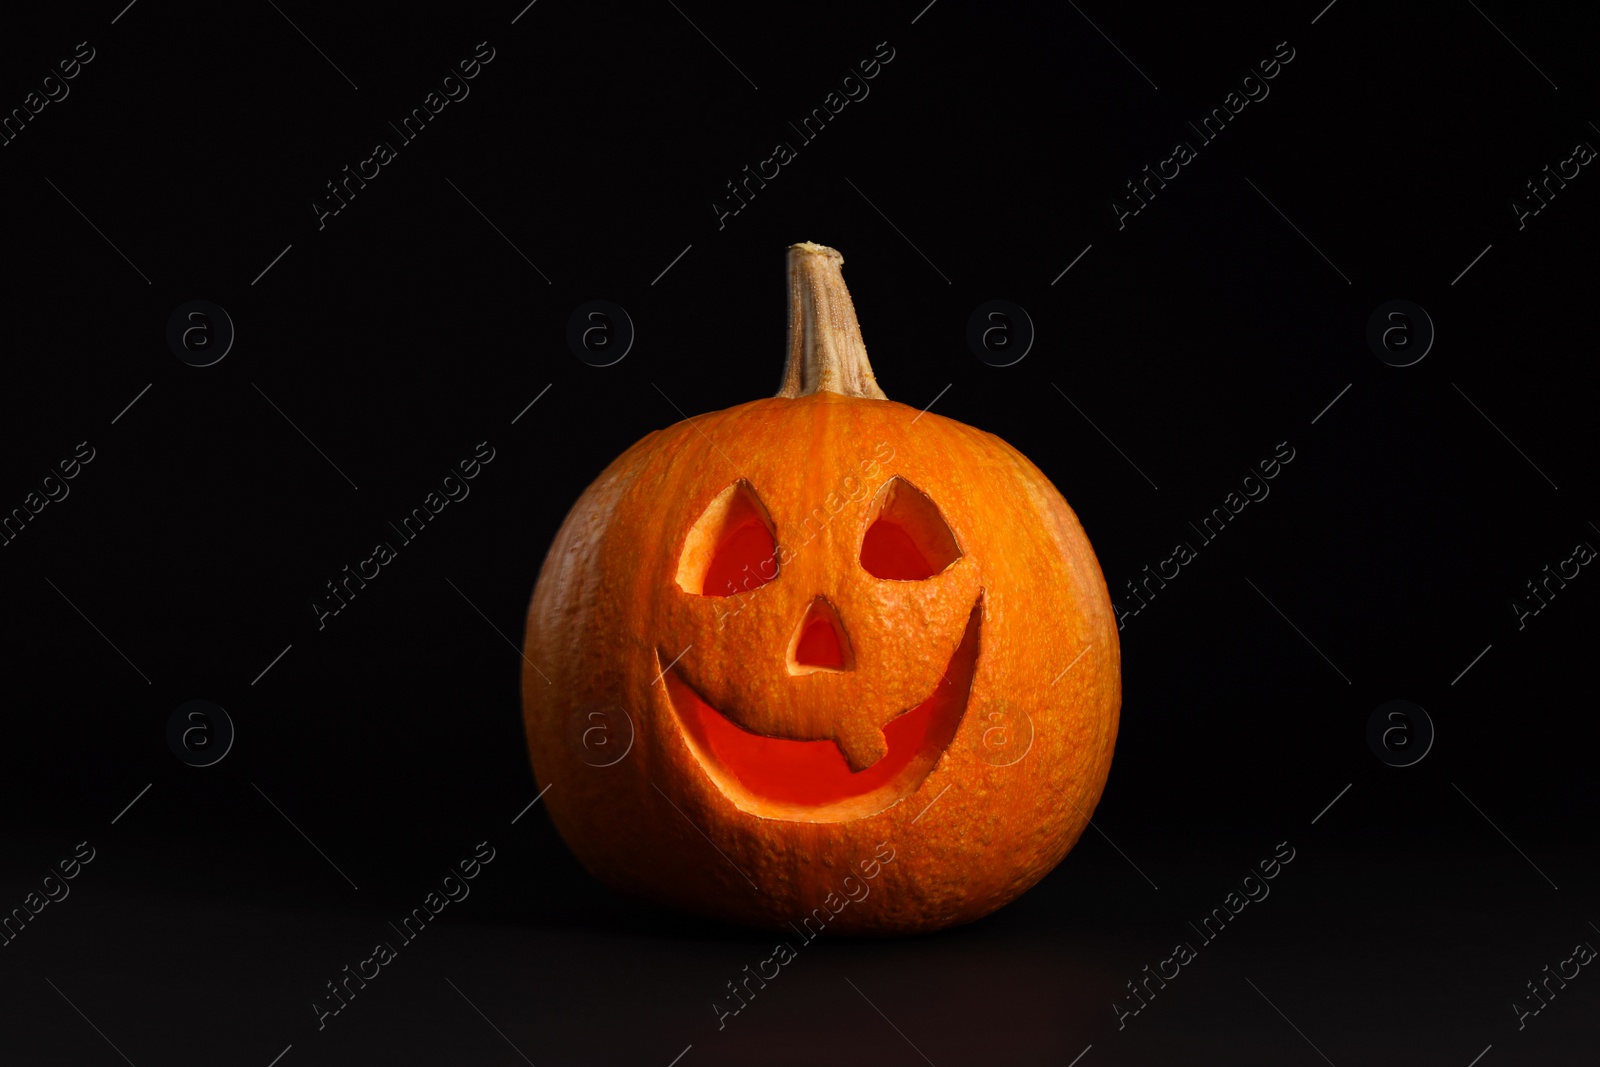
<point>819,642</point>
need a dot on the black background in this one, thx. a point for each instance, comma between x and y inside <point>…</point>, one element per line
<point>1205,331</point>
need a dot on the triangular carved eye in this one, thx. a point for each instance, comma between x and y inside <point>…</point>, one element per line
<point>730,548</point>
<point>908,539</point>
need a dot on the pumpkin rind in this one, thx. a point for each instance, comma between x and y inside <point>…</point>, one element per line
<point>608,615</point>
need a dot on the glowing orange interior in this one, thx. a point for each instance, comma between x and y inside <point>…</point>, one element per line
<point>775,773</point>
<point>744,560</point>
<point>908,539</point>
<point>819,645</point>
<point>889,552</point>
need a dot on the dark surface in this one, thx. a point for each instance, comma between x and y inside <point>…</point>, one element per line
<point>407,330</point>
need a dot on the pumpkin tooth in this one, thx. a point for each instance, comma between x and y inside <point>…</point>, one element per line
<point>862,744</point>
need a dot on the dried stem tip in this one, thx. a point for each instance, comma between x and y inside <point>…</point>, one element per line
<point>826,353</point>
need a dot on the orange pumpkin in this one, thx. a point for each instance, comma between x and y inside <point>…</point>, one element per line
<point>822,660</point>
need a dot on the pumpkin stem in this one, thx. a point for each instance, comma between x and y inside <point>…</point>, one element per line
<point>826,353</point>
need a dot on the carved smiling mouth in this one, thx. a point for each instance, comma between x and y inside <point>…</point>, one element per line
<point>809,781</point>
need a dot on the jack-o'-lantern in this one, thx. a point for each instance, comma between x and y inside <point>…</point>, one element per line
<point>822,660</point>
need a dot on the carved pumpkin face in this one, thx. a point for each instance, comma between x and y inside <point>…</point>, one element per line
<point>826,627</point>
<point>789,676</point>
